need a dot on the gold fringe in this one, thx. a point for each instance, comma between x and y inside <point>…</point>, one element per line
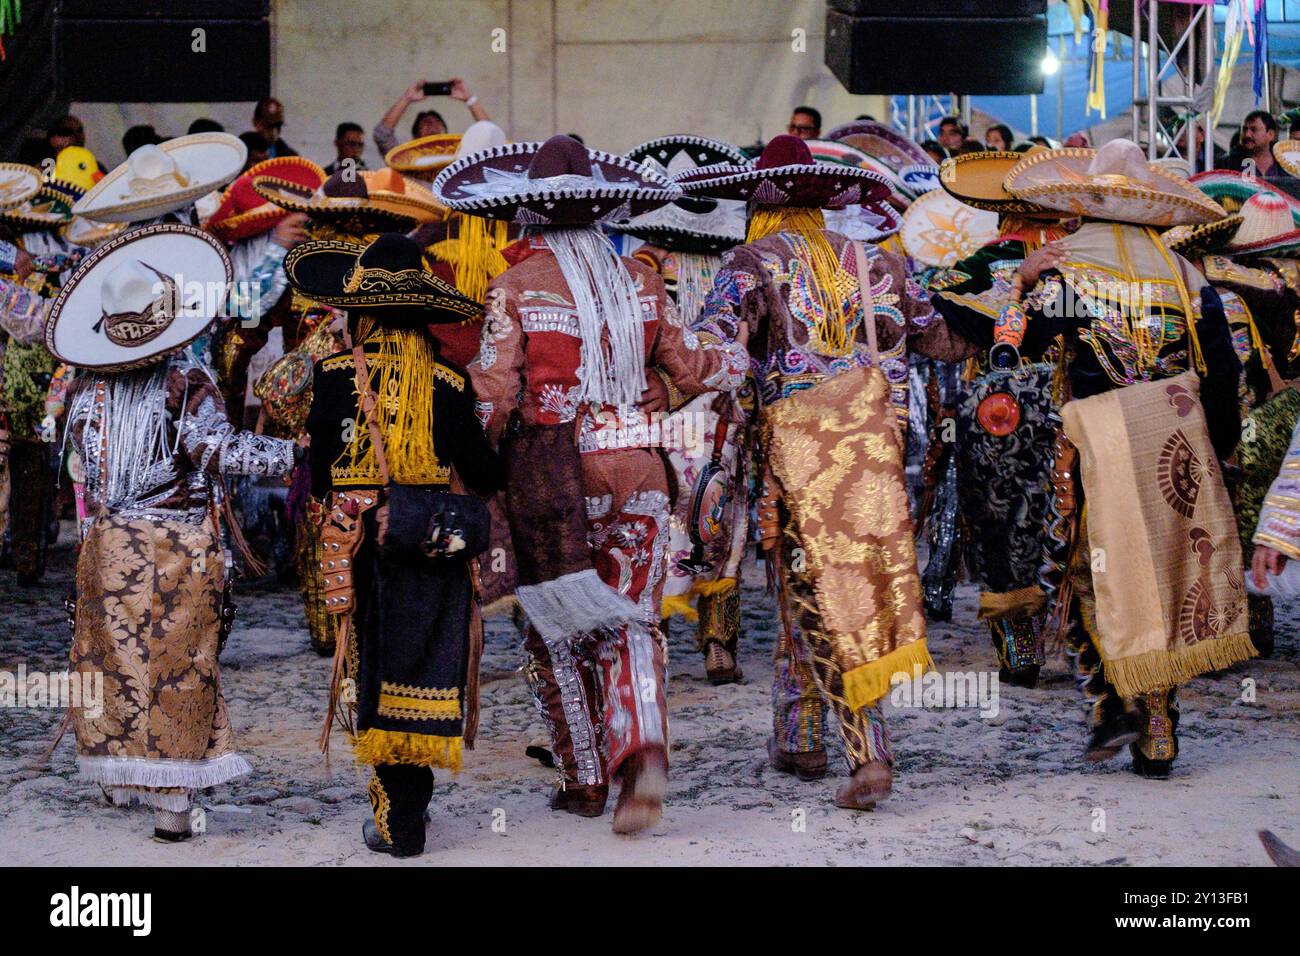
<point>376,746</point>
<point>1160,670</point>
<point>473,252</point>
<point>866,684</point>
<point>672,604</point>
<point>1021,602</point>
<point>714,588</point>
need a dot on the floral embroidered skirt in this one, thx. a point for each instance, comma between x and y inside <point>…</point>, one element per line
<point>148,620</point>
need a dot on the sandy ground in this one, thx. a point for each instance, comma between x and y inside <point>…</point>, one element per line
<point>1010,789</point>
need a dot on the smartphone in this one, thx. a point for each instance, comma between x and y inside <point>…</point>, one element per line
<point>437,89</point>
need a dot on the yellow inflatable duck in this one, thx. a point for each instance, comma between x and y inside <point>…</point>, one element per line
<point>76,166</point>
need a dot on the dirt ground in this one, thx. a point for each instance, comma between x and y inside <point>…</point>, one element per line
<point>1004,790</point>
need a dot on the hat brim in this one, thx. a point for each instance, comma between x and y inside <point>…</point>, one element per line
<point>234,226</point>
<point>940,230</point>
<point>818,186</point>
<point>208,161</point>
<point>494,183</point>
<point>1285,246</point>
<point>842,154</point>
<point>197,262</point>
<point>356,214</point>
<point>976,179</point>
<point>1231,189</point>
<point>18,183</point>
<point>425,157</point>
<point>319,270</point>
<point>1059,179</point>
<point>91,235</point>
<point>852,222</point>
<point>701,151</point>
<point>1287,154</point>
<point>1203,238</point>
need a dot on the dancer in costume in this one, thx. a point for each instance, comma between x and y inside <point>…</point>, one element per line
<point>1145,336</point>
<point>561,378</point>
<point>393,434</point>
<point>832,407</point>
<point>149,424</point>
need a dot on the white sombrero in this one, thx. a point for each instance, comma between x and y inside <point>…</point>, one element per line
<point>940,230</point>
<point>18,183</point>
<point>156,180</point>
<point>148,292</point>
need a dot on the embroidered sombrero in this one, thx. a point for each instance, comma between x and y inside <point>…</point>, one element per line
<point>977,180</point>
<point>919,179</point>
<point>360,201</point>
<point>48,209</point>
<point>148,292</point>
<point>387,274</point>
<point>1202,239</point>
<point>692,223</point>
<point>91,235</point>
<point>1114,183</point>
<point>1287,154</point>
<point>940,230</point>
<point>18,183</point>
<point>558,182</point>
<point>1230,189</point>
<point>1266,228</point>
<point>882,142</point>
<point>156,180</point>
<point>425,157</point>
<point>870,221</point>
<point>829,151</point>
<point>786,174</point>
<point>243,213</point>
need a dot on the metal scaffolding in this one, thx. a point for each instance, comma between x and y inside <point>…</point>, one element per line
<point>1178,80</point>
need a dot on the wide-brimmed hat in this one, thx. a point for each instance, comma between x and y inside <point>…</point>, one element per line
<point>425,157</point>
<point>360,201</point>
<point>919,178</point>
<point>882,142</point>
<point>1287,154</point>
<point>156,180</point>
<point>1266,228</point>
<point>49,208</point>
<point>91,235</point>
<point>786,174</point>
<point>18,183</point>
<point>148,292</point>
<point>389,274</point>
<point>691,223</point>
<point>829,151</point>
<point>1114,183</point>
<point>559,182</point>
<point>243,213</point>
<point>1202,239</point>
<point>870,221</point>
<point>939,229</point>
<point>1230,189</point>
<point>977,179</point>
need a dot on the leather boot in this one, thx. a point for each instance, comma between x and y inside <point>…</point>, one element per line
<point>645,781</point>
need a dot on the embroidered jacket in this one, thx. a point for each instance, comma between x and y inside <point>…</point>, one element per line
<point>531,351</point>
<point>1279,519</point>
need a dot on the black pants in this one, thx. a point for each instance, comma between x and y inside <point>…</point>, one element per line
<point>399,795</point>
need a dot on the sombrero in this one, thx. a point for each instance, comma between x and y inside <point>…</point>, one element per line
<point>881,141</point>
<point>977,180</point>
<point>48,209</point>
<point>1287,154</point>
<point>18,183</point>
<point>91,235</point>
<point>829,151</point>
<point>786,174</point>
<point>940,230</point>
<point>244,214</point>
<point>1230,189</point>
<point>362,201</point>
<point>1202,239</point>
<point>425,157</point>
<point>869,222</point>
<point>1114,183</point>
<point>919,178</point>
<point>558,182</point>
<point>388,274</point>
<point>141,295</point>
<point>156,180</point>
<point>689,224</point>
<point>1266,227</point>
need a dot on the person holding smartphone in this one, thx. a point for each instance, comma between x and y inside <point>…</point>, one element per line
<point>427,122</point>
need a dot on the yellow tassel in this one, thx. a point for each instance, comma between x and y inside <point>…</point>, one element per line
<point>1022,602</point>
<point>1198,358</point>
<point>672,604</point>
<point>473,252</point>
<point>869,682</point>
<point>375,746</point>
<point>714,588</point>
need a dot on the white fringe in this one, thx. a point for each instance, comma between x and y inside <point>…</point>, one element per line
<point>157,799</point>
<point>575,603</point>
<point>146,772</point>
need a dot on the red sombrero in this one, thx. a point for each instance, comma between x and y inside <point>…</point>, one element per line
<point>787,174</point>
<point>244,214</point>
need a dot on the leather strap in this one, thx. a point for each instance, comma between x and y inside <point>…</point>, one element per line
<point>369,403</point>
<point>868,304</point>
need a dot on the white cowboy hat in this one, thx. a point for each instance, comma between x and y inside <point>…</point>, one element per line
<point>156,180</point>
<point>148,292</point>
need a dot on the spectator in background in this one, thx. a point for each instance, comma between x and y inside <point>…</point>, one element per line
<point>141,135</point>
<point>268,120</point>
<point>937,152</point>
<point>205,125</point>
<point>257,147</point>
<point>999,137</point>
<point>1255,152</point>
<point>349,144</point>
<point>1077,140</point>
<point>952,133</point>
<point>970,146</point>
<point>428,122</point>
<point>805,122</point>
<point>1042,141</point>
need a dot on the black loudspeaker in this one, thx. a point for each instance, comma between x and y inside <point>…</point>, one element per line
<point>986,55</point>
<point>150,51</point>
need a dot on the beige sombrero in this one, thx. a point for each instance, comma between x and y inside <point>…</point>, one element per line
<point>156,180</point>
<point>939,229</point>
<point>977,180</point>
<point>18,183</point>
<point>1202,239</point>
<point>1114,183</point>
<point>424,158</point>
<point>378,200</point>
<point>1287,154</point>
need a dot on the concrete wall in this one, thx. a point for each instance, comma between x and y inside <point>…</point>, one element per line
<point>615,71</point>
